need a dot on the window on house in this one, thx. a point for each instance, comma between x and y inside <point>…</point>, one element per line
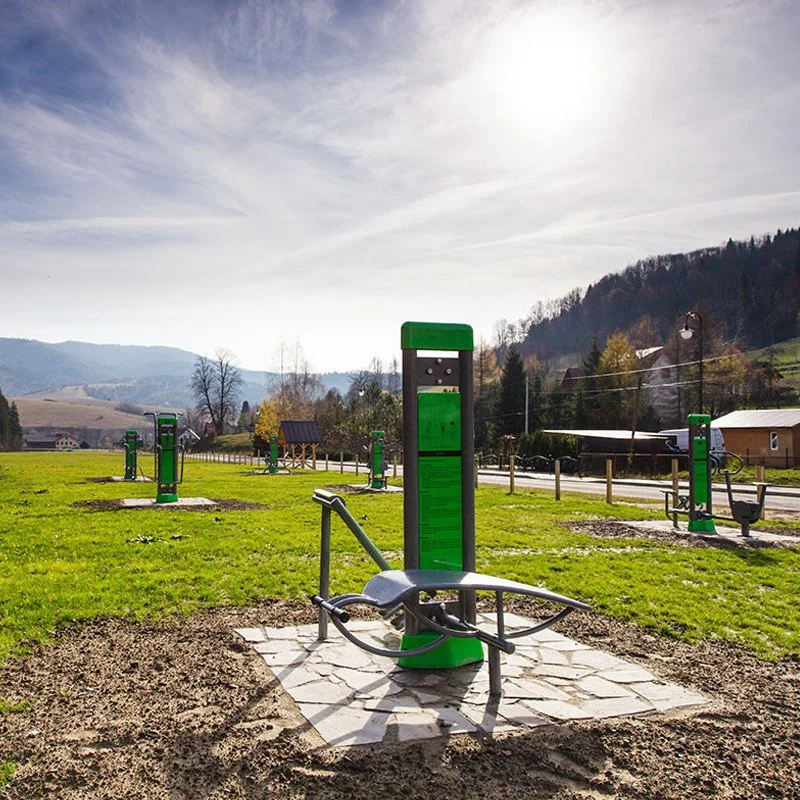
<point>773,440</point>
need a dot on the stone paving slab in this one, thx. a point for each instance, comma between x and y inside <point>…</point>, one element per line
<point>723,534</point>
<point>146,502</point>
<point>352,697</point>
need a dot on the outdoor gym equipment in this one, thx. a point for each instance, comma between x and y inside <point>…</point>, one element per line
<point>130,441</point>
<point>377,461</point>
<point>271,456</point>
<point>439,524</point>
<point>697,505</point>
<point>168,454</point>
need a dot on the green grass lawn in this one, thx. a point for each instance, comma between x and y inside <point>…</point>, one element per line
<point>59,563</point>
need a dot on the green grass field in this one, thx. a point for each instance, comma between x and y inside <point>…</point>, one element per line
<point>60,563</point>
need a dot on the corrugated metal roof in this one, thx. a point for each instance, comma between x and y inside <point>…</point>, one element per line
<point>609,434</point>
<point>300,432</point>
<point>760,418</point>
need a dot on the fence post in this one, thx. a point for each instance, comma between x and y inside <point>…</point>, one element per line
<point>787,458</point>
<point>557,468</point>
<point>609,480</point>
<point>761,477</point>
<point>394,465</point>
<point>341,461</point>
<point>356,464</point>
<point>511,459</point>
<point>475,473</point>
<point>327,463</point>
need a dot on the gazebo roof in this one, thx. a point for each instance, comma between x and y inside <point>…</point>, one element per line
<point>300,432</point>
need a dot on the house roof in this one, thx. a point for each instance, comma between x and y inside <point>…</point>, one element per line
<point>609,434</point>
<point>760,418</point>
<point>300,432</point>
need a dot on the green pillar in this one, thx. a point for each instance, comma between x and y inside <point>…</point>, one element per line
<point>166,445</point>
<point>438,484</point>
<point>131,444</point>
<point>700,500</point>
<point>273,453</point>
<point>377,461</point>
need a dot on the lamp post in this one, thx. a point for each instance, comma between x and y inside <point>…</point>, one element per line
<point>686,333</point>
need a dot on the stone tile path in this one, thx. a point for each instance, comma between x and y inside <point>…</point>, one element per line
<point>352,697</point>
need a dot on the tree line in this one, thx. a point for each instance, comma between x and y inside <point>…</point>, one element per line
<point>750,290</point>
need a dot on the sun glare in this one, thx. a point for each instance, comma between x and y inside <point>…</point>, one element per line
<point>544,71</point>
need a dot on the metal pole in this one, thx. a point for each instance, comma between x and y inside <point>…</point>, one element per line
<point>324,570</point>
<point>701,361</point>
<point>557,466</point>
<point>609,480</point>
<point>675,491</point>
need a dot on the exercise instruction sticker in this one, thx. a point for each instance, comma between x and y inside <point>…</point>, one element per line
<point>440,525</point>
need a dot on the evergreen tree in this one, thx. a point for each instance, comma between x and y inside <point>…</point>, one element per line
<point>15,439</point>
<point>510,408</point>
<point>5,422</point>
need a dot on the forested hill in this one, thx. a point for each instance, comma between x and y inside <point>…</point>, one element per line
<point>748,292</point>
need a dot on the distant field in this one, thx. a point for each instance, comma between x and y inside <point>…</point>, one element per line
<point>786,357</point>
<point>84,413</point>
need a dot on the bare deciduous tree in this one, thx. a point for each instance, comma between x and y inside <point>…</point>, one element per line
<point>216,385</point>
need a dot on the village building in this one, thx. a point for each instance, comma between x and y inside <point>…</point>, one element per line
<point>51,441</point>
<point>763,436</point>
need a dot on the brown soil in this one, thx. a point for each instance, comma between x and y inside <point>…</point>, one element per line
<point>184,711</point>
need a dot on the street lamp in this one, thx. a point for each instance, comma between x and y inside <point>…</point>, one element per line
<point>686,333</point>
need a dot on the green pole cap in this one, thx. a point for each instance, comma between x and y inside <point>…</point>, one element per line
<point>699,419</point>
<point>436,336</point>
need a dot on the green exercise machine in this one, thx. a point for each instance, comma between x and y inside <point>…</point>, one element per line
<point>168,454</point>
<point>698,504</point>
<point>131,442</point>
<point>377,460</point>
<point>434,597</point>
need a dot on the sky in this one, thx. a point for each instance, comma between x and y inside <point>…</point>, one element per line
<point>237,173</point>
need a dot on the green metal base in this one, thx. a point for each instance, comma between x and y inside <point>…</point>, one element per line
<point>378,485</point>
<point>274,470</point>
<point>452,653</point>
<point>166,498</point>
<point>702,526</point>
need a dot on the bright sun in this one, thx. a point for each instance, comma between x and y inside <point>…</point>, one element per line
<point>543,71</point>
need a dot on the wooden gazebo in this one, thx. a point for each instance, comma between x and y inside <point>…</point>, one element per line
<point>299,440</point>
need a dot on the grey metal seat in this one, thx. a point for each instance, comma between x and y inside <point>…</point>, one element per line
<point>400,589</point>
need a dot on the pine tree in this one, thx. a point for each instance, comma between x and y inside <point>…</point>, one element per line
<point>510,408</point>
<point>5,423</point>
<point>15,439</point>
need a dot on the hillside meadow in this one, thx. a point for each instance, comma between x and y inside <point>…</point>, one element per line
<point>62,561</point>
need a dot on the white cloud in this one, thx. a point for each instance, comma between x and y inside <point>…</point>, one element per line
<point>296,168</point>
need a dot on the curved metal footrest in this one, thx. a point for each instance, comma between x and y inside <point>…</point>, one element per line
<point>393,588</point>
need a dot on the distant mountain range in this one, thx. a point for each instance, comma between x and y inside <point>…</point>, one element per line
<point>152,376</point>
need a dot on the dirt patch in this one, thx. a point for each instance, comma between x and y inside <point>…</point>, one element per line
<point>183,710</point>
<point>606,529</point>
<point>219,505</point>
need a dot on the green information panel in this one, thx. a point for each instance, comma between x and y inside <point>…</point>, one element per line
<point>439,421</point>
<point>440,545</point>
